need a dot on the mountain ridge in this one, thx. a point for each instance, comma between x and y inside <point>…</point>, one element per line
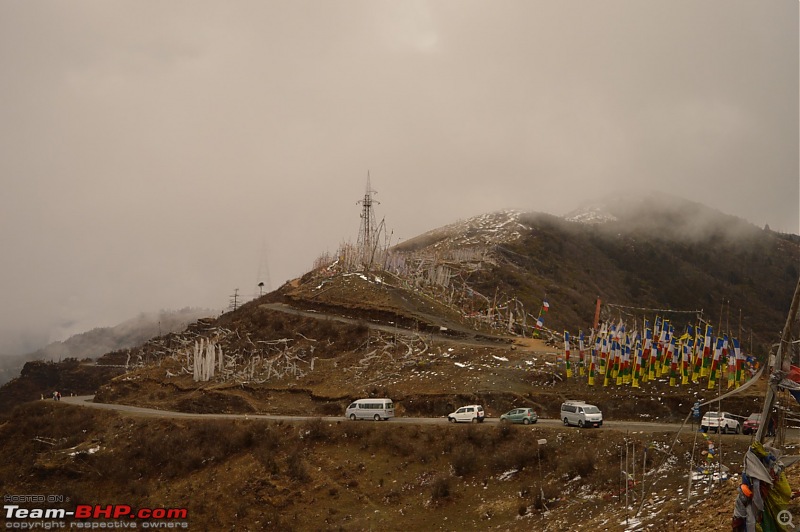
<point>671,253</point>
<point>101,340</point>
<point>438,325</point>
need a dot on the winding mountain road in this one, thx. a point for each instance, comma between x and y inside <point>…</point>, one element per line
<point>461,336</point>
<point>87,401</point>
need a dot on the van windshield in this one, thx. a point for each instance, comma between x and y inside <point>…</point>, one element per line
<point>591,409</point>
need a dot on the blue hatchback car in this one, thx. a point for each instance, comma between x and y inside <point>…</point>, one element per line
<point>526,416</point>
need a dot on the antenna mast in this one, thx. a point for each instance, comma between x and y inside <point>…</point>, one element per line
<point>368,233</point>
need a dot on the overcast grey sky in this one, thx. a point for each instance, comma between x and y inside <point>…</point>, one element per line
<point>150,151</point>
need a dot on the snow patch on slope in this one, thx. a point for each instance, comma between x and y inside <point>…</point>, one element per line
<point>593,214</point>
<point>484,230</point>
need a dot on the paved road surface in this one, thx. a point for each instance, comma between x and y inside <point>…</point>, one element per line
<point>461,335</point>
<point>87,401</point>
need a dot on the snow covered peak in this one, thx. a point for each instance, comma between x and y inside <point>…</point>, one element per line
<point>486,229</point>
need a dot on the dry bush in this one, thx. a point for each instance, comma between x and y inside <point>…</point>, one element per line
<point>478,436</point>
<point>354,430</point>
<point>316,430</point>
<point>326,330</point>
<point>504,432</point>
<point>518,455</point>
<point>606,474</point>
<point>440,489</point>
<point>50,419</point>
<point>269,438</point>
<point>392,439</point>
<point>267,458</point>
<point>296,467</point>
<point>351,336</point>
<point>465,460</point>
<point>230,438</point>
<point>581,463</point>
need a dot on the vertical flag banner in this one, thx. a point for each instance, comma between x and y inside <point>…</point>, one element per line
<point>673,354</point>
<point>626,361</point>
<point>737,351</point>
<point>653,364</point>
<point>638,367</point>
<point>697,353</point>
<point>581,365</point>
<point>730,360</point>
<point>662,350</point>
<point>707,347</point>
<point>686,363</point>
<point>712,378</point>
<point>566,354</point>
<point>646,354</point>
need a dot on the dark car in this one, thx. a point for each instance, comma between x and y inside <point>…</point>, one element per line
<point>752,423</point>
<point>526,416</point>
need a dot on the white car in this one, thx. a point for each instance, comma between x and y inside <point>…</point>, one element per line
<point>468,414</point>
<point>720,421</point>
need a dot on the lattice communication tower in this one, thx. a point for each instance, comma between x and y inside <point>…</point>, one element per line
<point>368,232</point>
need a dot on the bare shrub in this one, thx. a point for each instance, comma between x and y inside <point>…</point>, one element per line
<point>465,460</point>
<point>581,463</point>
<point>392,440</point>
<point>503,432</point>
<point>519,455</point>
<point>316,430</point>
<point>476,436</point>
<point>296,467</point>
<point>355,430</point>
<point>440,489</point>
<point>326,330</point>
<point>266,456</point>
<point>393,497</point>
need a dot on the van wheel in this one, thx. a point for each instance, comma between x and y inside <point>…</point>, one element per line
<point>566,423</point>
<point>352,417</point>
<point>526,421</point>
<point>474,420</point>
<point>580,423</point>
<point>737,429</point>
<point>377,417</point>
<point>451,419</point>
<point>724,429</point>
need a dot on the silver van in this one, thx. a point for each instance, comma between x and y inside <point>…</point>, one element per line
<point>582,414</point>
<point>377,409</point>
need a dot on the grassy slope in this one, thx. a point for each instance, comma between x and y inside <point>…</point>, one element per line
<point>572,264</point>
<point>324,476</point>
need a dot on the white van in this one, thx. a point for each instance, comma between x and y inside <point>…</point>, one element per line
<point>376,409</point>
<point>581,414</point>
